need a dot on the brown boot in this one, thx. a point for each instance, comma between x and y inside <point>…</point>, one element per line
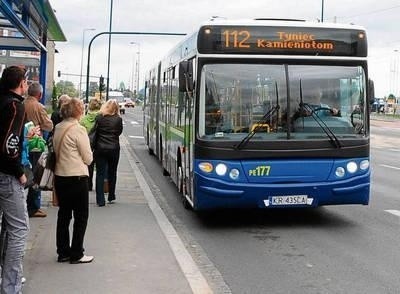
<point>39,213</point>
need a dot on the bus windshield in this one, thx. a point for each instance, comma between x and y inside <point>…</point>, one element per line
<point>234,99</point>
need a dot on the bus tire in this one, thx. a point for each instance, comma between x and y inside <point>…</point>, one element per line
<point>151,151</point>
<point>179,181</point>
<point>186,203</point>
<point>164,171</point>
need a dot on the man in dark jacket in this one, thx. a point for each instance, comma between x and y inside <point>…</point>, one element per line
<point>13,85</point>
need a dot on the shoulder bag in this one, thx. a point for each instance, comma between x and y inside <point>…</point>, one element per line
<point>93,135</point>
<point>44,169</point>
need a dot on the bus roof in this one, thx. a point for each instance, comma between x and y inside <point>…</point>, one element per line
<point>280,22</point>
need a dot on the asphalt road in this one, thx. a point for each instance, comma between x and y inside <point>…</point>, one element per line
<point>340,249</point>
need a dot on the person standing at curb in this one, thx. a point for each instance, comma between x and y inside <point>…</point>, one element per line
<point>13,85</point>
<point>73,155</point>
<point>88,122</point>
<point>36,113</point>
<point>56,116</point>
<point>107,149</point>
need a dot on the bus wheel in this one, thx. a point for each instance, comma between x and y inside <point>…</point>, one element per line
<point>186,204</point>
<point>180,179</point>
<point>151,151</point>
<point>164,171</point>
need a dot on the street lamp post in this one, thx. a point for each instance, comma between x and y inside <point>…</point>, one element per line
<point>322,11</point>
<point>137,70</point>
<point>83,45</point>
<point>109,50</point>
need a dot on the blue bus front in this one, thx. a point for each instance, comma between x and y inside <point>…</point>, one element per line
<point>281,135</point>
<point>281,183</point>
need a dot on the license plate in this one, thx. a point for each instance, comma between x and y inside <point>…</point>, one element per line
<point>288,200</point>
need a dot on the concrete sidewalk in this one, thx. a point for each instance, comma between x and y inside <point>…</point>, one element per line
<point>132,251</point>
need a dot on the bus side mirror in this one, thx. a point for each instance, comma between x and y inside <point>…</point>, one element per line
<point>371,91</point>
<point>186,76</point>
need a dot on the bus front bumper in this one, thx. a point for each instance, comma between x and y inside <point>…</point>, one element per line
<point>212,193</point>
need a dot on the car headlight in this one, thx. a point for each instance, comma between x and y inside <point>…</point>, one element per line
<point>352,167</point>
<point>221,169</point>
<point>364,164</point>
<point>340,172</point>
<point>206,167</point>
<point>234,174</point>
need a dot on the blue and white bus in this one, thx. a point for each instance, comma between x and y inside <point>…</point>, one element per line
<point>263,113</point>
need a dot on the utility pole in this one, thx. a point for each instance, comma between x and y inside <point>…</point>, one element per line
<point>322,11</point>
<point>109,50</point>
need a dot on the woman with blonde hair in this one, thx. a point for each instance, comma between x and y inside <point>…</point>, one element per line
<point>73,155</point>
<point>107,149</point>
<point>88,122</point>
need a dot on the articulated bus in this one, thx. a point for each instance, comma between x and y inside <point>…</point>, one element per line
<point>264,114</point>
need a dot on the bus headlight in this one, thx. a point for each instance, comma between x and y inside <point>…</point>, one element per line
<point>364,165</point>
<point>234,174</point>
<point>352,167</point>
<point>340,172</point>
<point>206,167</point>
<point>221,169</point>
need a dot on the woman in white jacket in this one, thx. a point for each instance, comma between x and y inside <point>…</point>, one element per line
<point>73,154</point>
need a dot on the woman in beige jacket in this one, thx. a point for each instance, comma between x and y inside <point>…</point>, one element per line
<point>73,154</point>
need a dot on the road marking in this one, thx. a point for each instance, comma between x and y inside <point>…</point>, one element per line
<point>134,122</point>
<point>390,166</point>
<point>136,137</point>
<point>394,150</point>
<point>189,268</point>
<point>392,211</point>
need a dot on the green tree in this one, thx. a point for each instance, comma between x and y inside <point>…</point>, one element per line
<point>122,87</point>
<point>54,96</point>
<point>66,87</point>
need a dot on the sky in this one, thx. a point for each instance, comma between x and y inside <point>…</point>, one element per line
<point>76,17</point>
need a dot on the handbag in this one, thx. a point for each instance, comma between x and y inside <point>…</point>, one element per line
<point>93,135</point>
<point>29,176</point>
<point>106,186</point>
<point>54,198</point>
<point>51,156</point>
<point>44,171</point>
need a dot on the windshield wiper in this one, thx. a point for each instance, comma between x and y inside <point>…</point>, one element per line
<point>258,125</point>
<point>332,137</point>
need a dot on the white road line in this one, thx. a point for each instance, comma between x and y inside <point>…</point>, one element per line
<point>390,166</point>
<point>394,150</point>
<point>134,122</point>
<point>392,211</point>
<point>189,268</point>
<point>136,137</point>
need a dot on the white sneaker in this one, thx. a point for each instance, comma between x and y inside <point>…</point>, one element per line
<point>84,259</point>
<point>23,280</point>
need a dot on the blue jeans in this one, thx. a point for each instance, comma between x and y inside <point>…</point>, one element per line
<point>15,214</point>
<point>106,167</point>
<point>33,200</point>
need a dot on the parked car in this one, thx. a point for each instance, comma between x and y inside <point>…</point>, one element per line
<point>129,102</point>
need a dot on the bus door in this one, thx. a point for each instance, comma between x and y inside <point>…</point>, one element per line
<point>168,118</point>
<point>157,120</point>
<point>189,134</point>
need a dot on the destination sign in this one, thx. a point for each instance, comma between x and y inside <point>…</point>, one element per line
<point>281,40</point>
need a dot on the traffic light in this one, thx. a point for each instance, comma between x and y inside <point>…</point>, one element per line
<point>59,73</point>
<point>102,86</point>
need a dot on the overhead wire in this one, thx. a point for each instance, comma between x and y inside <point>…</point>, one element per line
<point>370,12</point>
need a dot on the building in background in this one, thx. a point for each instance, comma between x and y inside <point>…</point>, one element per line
<point>28,32</point>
